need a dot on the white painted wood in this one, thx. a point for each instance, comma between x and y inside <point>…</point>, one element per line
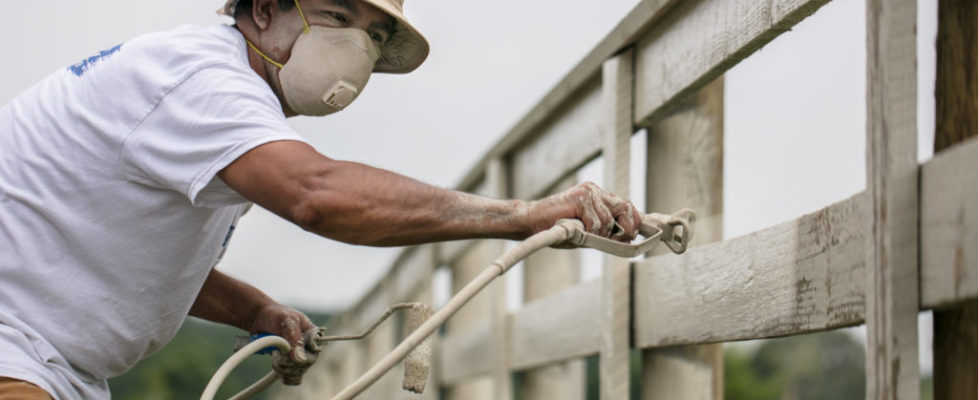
<point>796,277</point>
<point>380,342</point>
<point>557,148</point>
<point>477,314</point>
<point>465,354</point>
<point>949,227</point>
<point>545,273</point>
<point>413,272</point>
<point>892,290</point>
<point>956,92</point>
<point>615,123</point>
<point>559,327</point>
<point>496,180</point>
<point>687,372</point>
<point>685,169</point>
<point>449,252</point>
<point>699,40</point>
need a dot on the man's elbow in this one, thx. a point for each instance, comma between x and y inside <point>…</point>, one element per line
<point>342,221</point>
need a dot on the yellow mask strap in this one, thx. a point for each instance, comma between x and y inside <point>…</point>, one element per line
<point>305,29</point>
<point>267,58</point>
<point>305,24</point>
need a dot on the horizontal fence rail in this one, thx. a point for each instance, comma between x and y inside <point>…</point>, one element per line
<point>661,69</point>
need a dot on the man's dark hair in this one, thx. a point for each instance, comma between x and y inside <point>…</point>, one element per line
<point>244,6</point>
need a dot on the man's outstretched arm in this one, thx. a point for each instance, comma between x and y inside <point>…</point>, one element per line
<point>359,204</point>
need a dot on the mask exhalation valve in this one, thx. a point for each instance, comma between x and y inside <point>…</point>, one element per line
<point>340,95</point>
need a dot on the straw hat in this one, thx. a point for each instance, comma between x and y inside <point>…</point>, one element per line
<point>404,51</point>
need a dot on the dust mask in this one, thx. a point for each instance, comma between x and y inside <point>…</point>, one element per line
<point>328,69</point>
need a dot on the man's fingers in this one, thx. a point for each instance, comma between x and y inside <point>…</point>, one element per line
<point>607,219</point>
<point>630,220</point>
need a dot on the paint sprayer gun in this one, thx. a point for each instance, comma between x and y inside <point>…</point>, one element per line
<point>674,230</point>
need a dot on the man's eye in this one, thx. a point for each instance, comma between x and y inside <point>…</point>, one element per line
<point>376,37</point>
<point>339,17</point>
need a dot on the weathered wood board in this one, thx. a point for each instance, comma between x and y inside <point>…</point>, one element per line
<point>799,276</point>
<point>700,39</point>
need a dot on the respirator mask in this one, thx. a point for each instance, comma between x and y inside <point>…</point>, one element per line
<point>328,69</point>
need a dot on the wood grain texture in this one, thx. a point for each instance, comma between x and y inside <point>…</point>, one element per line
<point>475,318</point>
<point>683,373</point>
<point>945,247</point>
<point>799,276</point>
<point>892,290</point>
<point>949,227</point>
<point>545,273</point>
<point>412,272</point>
<point>553,329</point>
<point>465,354</point>
<point>957,63</point>
<point>685,169</point>
<point>615,317</point>
<point>955,346</point>
<point>563,143</point>
<point>699,40</point>
<point>498,183</point>
<point>558,327</point>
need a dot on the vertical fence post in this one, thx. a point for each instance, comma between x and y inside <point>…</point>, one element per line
<point>956,328</point>
<point>685,169</point>
<point>544,273</point>
<point>617,127</point>
<point>496,176</point>
<point>892,290</point>
<point>487,309</point>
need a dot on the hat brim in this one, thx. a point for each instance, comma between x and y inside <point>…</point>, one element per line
<point>406,49</point>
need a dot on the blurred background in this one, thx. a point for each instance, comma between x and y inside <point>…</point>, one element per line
<point>490,62</point>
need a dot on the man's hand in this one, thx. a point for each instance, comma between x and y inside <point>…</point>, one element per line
<point>290,324</point>
<point>603,213</point>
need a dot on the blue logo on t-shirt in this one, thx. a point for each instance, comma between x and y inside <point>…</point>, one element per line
<point>87,64</point>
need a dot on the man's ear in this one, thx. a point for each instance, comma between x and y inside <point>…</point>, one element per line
<point>262,12</point>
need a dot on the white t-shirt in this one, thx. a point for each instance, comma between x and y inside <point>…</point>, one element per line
<point>111,214</point>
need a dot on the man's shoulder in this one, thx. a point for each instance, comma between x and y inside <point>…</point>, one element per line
<point>190,47</point>
<point>154,64</point>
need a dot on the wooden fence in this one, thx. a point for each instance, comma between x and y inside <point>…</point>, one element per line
<point>908,243</point>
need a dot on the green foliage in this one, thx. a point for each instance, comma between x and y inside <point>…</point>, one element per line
<point>827,365</point>
<point>182,369</point>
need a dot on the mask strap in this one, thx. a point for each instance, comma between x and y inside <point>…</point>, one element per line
<point>267,58</point>
<point>305,24</point>
<point>305,29</point>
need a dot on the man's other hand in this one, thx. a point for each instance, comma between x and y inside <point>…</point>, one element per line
<point>290,324</point>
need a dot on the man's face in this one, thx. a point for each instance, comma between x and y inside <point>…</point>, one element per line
<point>277,30</point>
<point>281,32</point>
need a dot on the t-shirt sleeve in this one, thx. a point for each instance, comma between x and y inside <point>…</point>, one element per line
<point>198,127</point>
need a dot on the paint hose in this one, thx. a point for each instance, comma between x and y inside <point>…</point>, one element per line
<point>672,229</point>
<point>559,233</point>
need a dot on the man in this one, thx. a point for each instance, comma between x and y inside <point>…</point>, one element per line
<point>122,178</point>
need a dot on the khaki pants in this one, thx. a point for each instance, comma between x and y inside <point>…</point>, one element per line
<point>13,389</point>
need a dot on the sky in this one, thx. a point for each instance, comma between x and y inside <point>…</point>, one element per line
<point>794,113</point>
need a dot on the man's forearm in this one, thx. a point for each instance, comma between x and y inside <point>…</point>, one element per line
<point>360,204</point>
<point>226,300</point>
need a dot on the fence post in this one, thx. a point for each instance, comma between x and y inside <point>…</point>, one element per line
<point>496,176</point>
<point>617,127</point>
<point>956,328</point>
<point>685,169</point>
<point>485,310</point>
<point>892,289</point>
<point>547,272</point>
